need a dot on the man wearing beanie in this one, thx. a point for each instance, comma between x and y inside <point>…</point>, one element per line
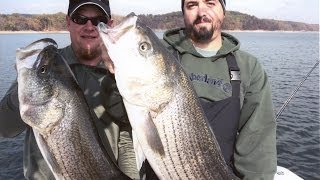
<point>232,86</point>
<point>85,57</point>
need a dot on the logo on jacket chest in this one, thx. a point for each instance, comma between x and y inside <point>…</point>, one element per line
<point>211,82</point>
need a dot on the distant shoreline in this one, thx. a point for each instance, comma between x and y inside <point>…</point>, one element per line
<point>262,31</point>
<point>34,32</point>
<point>156,30</point>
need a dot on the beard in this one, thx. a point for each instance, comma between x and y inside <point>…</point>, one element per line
<point>202,34</point>
<point>89,53</point>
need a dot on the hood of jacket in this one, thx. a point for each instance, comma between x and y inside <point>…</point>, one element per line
<point>180,42</point>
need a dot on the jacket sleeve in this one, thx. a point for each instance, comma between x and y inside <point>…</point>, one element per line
<point>117,114</point>
<point>11,123</point>
<point>255,150</point>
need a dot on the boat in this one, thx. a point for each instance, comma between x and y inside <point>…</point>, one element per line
<point>285,174</point>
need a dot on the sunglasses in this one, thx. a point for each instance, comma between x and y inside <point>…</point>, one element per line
<point>81,19</point>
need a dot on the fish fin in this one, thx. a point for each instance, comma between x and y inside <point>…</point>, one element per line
<point>140,156</point>
<point>51,161</point>
<point>145,129</point>
<point>152,136</point>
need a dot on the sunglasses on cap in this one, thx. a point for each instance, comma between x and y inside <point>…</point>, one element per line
<point>81,19</point>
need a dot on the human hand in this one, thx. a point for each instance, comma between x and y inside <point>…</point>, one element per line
<point>106,59</point>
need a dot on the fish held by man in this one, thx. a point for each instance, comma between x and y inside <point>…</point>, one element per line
<point>52,103</point>
<point>169,126</point>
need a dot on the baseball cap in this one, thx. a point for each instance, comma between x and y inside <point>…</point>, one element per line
<point>76,4</point>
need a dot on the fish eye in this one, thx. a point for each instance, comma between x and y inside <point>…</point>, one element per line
<point>43,69</point>
<point>144,46</point>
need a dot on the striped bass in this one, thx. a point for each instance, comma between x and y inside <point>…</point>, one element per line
<point>169,126</point>
<point>52,103</point>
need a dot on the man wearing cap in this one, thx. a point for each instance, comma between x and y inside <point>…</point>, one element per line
<point>232,86</point>
<point>84,56</point>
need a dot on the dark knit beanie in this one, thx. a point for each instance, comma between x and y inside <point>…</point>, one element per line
<point>223,3</point>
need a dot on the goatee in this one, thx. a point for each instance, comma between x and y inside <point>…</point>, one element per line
<point>203,34</point>
<point>200,35</point>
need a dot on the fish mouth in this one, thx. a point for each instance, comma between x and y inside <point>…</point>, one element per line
<point>27,59</point>
<point>27,56</point>
<point>111,35</point>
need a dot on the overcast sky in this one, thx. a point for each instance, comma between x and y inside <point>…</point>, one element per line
<point>292,10</point>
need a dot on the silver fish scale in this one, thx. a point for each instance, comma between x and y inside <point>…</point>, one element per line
<point>56,109</point>
<point>188,148</point>
<point>77,155</point>
<point>191,151</point>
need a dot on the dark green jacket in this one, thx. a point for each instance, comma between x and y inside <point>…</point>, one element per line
<point>255,155</point>
<point>102,96</point>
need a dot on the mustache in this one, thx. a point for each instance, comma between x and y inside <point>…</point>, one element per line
<point>202,19</point>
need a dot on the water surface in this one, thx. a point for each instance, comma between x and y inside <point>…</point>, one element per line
<point>286,57</point>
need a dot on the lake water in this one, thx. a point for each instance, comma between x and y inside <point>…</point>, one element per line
<point>287,58</point>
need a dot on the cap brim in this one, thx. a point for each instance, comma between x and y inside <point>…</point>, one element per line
<point>92,3</point>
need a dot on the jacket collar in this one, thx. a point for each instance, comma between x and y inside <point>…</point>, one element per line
<point>178,40</point>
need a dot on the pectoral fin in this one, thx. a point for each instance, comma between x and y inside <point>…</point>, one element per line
<point>144,128</point>
<point>152,136</point>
